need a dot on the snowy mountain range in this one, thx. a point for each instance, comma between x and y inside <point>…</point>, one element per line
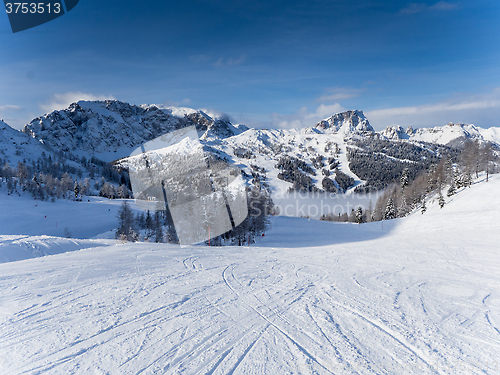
<point>450,134</point>
<point>110,129</point>
<point>339,154</point>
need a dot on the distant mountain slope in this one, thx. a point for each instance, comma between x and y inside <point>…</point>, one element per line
<point>450,134</point>
<point>112,129</point>
<point>16,146</point>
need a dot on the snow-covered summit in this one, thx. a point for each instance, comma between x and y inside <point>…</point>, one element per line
<point>397,132</point>
<point>345,123</point>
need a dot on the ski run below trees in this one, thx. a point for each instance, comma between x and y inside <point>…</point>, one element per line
<point>414,295</point>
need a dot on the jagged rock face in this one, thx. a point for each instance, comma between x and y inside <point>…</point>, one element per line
<point>106,127</point>
<point>451,134</point>
<point>349,122</point>
<point>394,132</point>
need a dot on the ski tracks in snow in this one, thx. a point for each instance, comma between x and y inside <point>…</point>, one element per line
<point>223,311</point>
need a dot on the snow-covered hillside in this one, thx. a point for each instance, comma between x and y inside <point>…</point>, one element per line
<point>16,146</point>
<point>417,295</point>
<point>266,147</point>
<point>87,219</point>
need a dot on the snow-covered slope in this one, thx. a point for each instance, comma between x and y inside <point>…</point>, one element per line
<point>16,248</point>
<point>16,146</point>
<point>417,295</point>
<point>264,148</point>
<point>26,216</point>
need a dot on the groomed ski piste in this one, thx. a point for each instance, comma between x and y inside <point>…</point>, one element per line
<point>417,295</point>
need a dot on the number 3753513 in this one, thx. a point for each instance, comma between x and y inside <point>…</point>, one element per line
<point>33,8</point>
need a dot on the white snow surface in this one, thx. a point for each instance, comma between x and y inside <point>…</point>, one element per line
<point>95,216</point>
<point>418,295</point>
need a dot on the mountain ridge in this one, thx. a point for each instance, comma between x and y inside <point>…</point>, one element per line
<point>339,154</point>
<point>109,129</point>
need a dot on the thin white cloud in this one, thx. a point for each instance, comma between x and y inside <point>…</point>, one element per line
<point>443,5</point>
<point>60,101</point>
<point>334,94</point>
<point>230,61</point>
<point>10,108</point>
<point>476,109</point>
<point>423,7</point>
<point>303,118</point>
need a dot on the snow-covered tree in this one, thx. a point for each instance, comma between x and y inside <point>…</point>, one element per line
<point>441,200</point>
<point>486,158</point>
<point>390,210</point>
<point>405,178</point>
<point>359,215</point>
<point>424,207</point>
<point>403,208</point>
<point>451,190</point>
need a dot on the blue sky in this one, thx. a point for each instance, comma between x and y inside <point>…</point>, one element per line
<point>265,63</point>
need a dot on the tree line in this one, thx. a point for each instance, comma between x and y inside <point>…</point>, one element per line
<point>64,176</point>
<point>444,177</point>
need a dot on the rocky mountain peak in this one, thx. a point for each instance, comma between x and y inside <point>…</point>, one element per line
<point>395,132</point>
<point>348,122</point>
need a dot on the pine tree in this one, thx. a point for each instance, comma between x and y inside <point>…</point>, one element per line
<point>149,225</point>
<point>158,228</point>
<point>126,224</point>
<point>359,215</point>
<point>405,178</point>
<point>390,210</point>
<point>451,190</point>
<point>431,178</point>
<point>403,208</point>
<point>424,207</point>
<point>441,200</point>
<point>76,190</point>
<point>457,179</point>
<point>487,157</point>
